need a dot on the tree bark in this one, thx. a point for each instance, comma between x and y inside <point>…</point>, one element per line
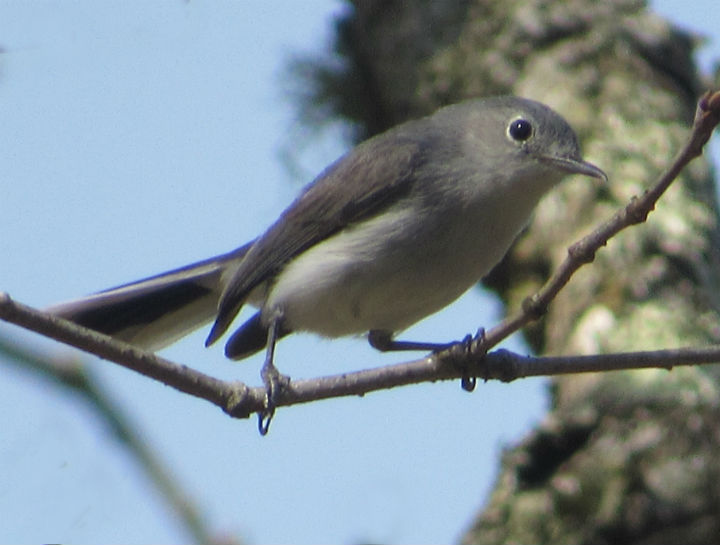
<point>622,457</point>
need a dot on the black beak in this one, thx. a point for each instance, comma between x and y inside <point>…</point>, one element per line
<point>576,166</point>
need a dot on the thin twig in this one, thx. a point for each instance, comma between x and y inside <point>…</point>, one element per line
<point>241,401</point>
<point>223,394</point>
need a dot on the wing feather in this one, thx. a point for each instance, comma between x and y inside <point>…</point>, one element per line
<point>325,207</point>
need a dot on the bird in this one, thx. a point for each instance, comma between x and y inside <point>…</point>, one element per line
<point>393,231</point>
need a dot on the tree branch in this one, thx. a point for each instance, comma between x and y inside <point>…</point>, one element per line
<point>223,394</point>
<point>240,400</point>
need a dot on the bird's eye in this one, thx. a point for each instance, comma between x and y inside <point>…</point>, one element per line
<point>520,130</point>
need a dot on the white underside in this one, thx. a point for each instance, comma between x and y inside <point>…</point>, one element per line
<point>377,275</point>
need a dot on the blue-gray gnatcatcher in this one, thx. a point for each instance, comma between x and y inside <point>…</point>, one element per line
<point>393,231</point>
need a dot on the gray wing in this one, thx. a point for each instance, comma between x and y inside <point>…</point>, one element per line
<point>325,207</point>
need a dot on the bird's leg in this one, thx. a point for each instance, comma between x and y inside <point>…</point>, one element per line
<point>383,341</point>
<point>271,377</point>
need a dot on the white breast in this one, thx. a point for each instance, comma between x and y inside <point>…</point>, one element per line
<point>391,271</point>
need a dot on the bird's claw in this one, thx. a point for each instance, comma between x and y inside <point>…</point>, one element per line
<point>460,352</point>
<point>274,382</point>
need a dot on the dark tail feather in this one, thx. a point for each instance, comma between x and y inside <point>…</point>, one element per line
<point>154,312</point>
<point>250,338</point>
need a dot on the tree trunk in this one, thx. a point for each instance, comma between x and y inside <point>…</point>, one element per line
<point>622,457</point>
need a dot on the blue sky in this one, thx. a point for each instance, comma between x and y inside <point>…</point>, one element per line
<point>139,136</point>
